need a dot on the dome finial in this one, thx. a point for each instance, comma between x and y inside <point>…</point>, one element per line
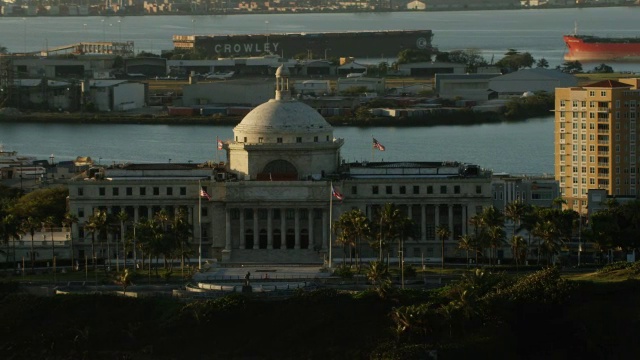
<point>282,83</point>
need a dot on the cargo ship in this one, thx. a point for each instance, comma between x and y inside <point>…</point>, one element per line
<point>359,44</point>
<point>594,48</point>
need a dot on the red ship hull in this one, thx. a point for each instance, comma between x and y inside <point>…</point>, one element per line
<point>588,48</point>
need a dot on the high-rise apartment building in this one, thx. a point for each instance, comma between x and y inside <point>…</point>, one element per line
<point>596,140</point>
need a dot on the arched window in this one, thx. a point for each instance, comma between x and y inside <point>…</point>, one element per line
<point>278,170</point>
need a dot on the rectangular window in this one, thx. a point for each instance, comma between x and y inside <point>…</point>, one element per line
<point>279,140</point>
<point>101,191</point>
<point>389,189</point>
<point>416,189</point>
<point>80,191</point>
<point>262,214</point>
<point>315,139</point>
<point>443,189</point>
<point>248,214</point>
<point>80,212</point>
<point>129,191</point>
<point>290,214</point>
<point>429,189</point>
<point>235,214</point>
<point>115,191</point>
<point>354,190</point>
<point>403,189</point>
<point>374,189</point>
<point>260,140</point>
<point>276,214</point>
<point>169,191</point>
<point>204,211</point>
<point>456,189</point>
<point>478,189</point>
<point>298,139</point>
<point>156,190</point>
<point>183,191</point>
<point>143,191</point>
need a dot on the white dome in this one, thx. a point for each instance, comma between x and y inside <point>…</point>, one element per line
<point>283,117</point>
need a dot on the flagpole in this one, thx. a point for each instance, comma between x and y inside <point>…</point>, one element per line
<point>200,223</point>
<point>330,221</point>
<point>372,149</point>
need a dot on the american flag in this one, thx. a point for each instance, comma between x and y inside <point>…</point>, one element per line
<point>377,145</point>
<point>204,194</point>
<point>336,194</point>
<point>220,144</point>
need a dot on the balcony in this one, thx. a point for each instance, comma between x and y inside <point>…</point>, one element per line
<point>603,109</point>
<point>603,142</point>
<point>606,153</point>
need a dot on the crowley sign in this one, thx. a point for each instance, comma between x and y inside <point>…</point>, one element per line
<point>247,48</point>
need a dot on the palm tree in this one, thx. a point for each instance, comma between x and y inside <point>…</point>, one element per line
<point>466,243</point>
<point>495,236</point>
<point>181,234</point>
<point>514,211</point>
<point>550,236</point>
<point>30,225</point>
<point>122,216</point>
<point>378,274</point>
<point>354,227</point>
<point>443,233</point>
<point>91,227</point>
<point>477,223</point>
<point>391,225</point>
<point>162,219</point>
<point>50,221</point>
<point>517,245</point>
<point>69,220</point>
<point>11,230</point>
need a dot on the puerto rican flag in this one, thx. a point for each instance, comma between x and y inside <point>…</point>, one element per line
<point>377,145</point>
<point>336,194</point>
<point>220,144</point>
<point>204,194</point>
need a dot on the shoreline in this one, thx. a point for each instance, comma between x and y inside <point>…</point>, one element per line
<point>147,119</point>
<point>345,11</point>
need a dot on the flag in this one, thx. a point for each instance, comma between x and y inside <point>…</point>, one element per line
<point>377,145</point>
<point>204,194</point>
<point>220,144</point>
<point>336,194</point>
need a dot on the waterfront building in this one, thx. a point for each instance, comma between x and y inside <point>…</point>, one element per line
<point>517,83</point>
<point>596,139</point>
<point>315,45</point>
<point>269,201</point>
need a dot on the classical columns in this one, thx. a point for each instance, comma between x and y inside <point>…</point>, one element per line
<point>450,219</point>
<point>228,230</point>
<point>325,230</point>
<point>256,231</point>
<point>297,228</point>
<point>310,227</point>
<point>423,221</point>
<point>242,239</point>
<point>269,229</point>
<point>283,229</point>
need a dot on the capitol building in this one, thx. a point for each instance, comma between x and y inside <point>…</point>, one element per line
<point>269,202</point>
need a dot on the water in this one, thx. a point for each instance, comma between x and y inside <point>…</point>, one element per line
<point>524,147</point>
<point>493,32</point>
<point>518,148</point>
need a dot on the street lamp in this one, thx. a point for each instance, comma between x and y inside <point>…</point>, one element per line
<point>51,157</point>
